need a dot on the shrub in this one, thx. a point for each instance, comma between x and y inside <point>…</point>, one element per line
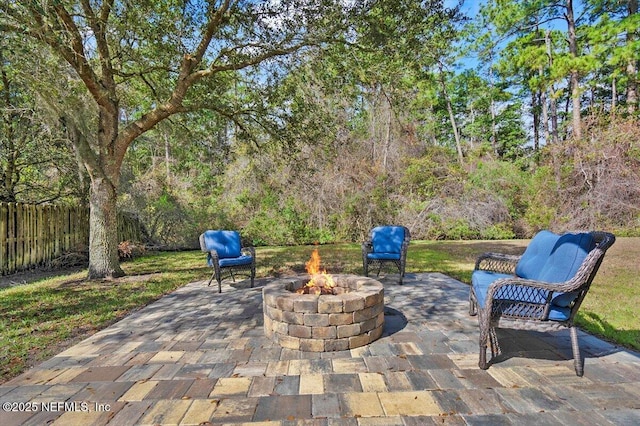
<point>129,250</point>
<point>499,231</point>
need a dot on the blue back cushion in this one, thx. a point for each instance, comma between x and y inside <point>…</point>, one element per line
<point>554,258</point>
<point>536,255</point>
<point>226,243</point>
<point>568,254</point>
<point>387,239</point>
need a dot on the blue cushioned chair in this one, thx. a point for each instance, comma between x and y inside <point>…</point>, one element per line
<point>543,288</point>
<point>225,252</point>
<point>386,244</point>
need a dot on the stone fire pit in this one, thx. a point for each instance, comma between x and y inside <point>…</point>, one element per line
<point>352,317</point>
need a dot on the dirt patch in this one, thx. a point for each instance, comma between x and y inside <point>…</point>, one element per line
<point>32,275</point>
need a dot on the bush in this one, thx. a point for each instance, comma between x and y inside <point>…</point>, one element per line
<point>499,231</point>
<point>592,183</point>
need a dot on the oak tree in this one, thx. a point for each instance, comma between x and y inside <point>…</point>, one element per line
<point>145,61</point>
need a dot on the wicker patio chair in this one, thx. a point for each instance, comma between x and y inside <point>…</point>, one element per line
<point>225,253</point>
<point>386,245</point>
<point>540,290</point>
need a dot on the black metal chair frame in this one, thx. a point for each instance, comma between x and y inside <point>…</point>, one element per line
<point>367,247</point>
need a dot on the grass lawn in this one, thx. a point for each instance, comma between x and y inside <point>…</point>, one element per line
<point>47,315</point>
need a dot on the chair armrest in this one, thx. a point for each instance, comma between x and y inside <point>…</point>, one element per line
<point>251,251</point>
<point>367,247</point>
<point>528,293</point>
<point>497,262</point>
<point>519,285</point>
<point>213,255</point>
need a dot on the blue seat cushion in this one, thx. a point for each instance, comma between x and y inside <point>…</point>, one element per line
<point>559,313</point>
<point>226,243</point>
<point>480,280</point>
<point>236,261</point>
<point>387,239</point>
<point>564,300</point>
<point>383,256</point>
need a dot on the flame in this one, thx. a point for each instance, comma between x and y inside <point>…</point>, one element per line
<point>321,282</point>
<point>313,265</point>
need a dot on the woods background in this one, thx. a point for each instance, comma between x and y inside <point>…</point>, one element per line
<point>522,117</point>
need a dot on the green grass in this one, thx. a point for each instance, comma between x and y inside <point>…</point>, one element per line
<point>42,318</point>
<point>39,319</point>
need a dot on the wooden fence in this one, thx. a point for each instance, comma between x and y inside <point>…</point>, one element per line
<point>32,235</point>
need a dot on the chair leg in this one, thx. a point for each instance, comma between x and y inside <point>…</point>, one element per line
<point>400,267</point>
<point>211,279</point>
<point>219,279</point>
<point>578,362</point>
<point>482,362</point>
<point>484,339</point>
<point>494,345</point>
<point>473,307</point>
<point>253,275</point>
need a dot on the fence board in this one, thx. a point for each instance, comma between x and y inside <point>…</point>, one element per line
<point>11,237</point>
<point>32,235</point>
<point>4,254</point>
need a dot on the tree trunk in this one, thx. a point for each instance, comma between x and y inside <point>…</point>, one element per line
<point>632,65</point>
<point>387,136</point>
<point>535,107</point>
<point>544,110</point>
<point>553,103</point>
<point>492,107</point>
<point>574,77</point>
<point>614,96</point>
<point>167,158</point>
<point>105,180</point>
<point>103,230</point>
<point>452,117</point>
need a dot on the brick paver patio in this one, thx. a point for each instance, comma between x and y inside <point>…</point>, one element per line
<point>196,356</point>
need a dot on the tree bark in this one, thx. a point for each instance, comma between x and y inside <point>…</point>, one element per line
<point>544,111</point>
<point>632,65</point>
<point>492,107</point>
<point>553,105</point>
<point>387,136</point>
<point>575,77</point>
<point>614,96</point>
<point>452,117</point>
<point>103,230</point>
<point>536,104</point>
<point>104,261</point>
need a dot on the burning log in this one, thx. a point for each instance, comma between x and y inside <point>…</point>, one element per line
<point>321,282</point>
